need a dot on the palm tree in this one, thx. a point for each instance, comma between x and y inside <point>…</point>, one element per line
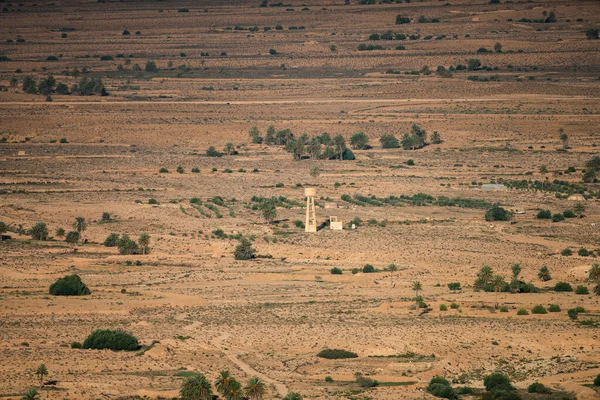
<point>31,394</point>
<point>544,274</point>
<point>594,274</point>
<point>144,242</point>
<point>269,210</point>
<point>41,372</point>
<point>292,396</point>
<point>579,209</point>
<point>235,391</point>
<point>196,387</point>
<point>543,171</point>
<point>223,382</point>
<point>229,149</point>
<point>255,389</point>
<point>340,145</point>
<point>484,277</point>
<point>60,232</point>
<point>497,283</point>
<point>417,287</point>
<point>80,225</point>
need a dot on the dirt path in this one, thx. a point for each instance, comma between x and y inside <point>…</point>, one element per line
<point>281,388</point>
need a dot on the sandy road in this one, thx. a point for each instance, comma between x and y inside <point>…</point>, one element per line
<point>232,356</point>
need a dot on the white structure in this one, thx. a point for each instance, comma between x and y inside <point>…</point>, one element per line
<point>334,224</point>
<point>311,217</point>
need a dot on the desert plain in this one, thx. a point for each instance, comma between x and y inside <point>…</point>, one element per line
<point>181,76</point>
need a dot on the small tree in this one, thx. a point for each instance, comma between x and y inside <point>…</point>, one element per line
<point>498,284</point>
<point>292,396</point>
<point>223,382</point>
<point>594,273</point>
<point>564,138</point>
<point>473,64</point>
<point>315,171</point>
<point>105,216</point>
<point>497,213</point>
<point>196,387</point>
<point>151,67</point>
<point>498,47</point>
<point>592,34</point>
<point>4,228</point>
<point>435,138</point>
<point>359,141</point>
<point>244,250</point>
<point>484,277</point>
<point>212,152</point>
<point>543,171</point>
<point>60,232</point>
<point>255,135</point>
<point>229,149</point>
<point>41,372</point>
<point>144,243</point>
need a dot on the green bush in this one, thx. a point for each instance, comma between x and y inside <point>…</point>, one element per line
<point>597,380</point>
<point>152,201</point>
<point>195,170</point>
<point>368,268</point>
<point>335,271</point>
<point>443,307</point>
<point>522,311</point>
<point>581,290</point>
<point>111,339</point>
<point>39,231</point>
<point>563,287</point>
<point>583,252</point>
<point>76,345</point>
<point>497,213</point>
<point>163,170</point>
<point>292,396</point>
<point>389,141</point>
<point>558,217</point>
<point>554,308</point>
<point>568,214</point>
<point>72,237</point>
<point>196,387</point>
<point>572,313</point>
<point>544,214</point>
<point>538,388</point>
<point>111,240</point>
<point>440,387</point>
<point>151,67</point>
<point>328,379</point>
<point>335,354</point>
<point>454,306</point>
<point>503,309</point>
<point>539,309</point>
<point>567,252</point>
<point>365,382</point>
<point>497,381</point>
<point>70,285</point>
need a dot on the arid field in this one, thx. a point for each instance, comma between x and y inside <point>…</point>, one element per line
<point>108,110</point>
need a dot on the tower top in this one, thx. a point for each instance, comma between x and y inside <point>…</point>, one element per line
<point>310,191</point>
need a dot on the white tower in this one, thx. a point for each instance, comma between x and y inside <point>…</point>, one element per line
<point>311,217</point>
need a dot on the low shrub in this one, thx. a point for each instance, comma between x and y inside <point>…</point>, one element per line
<point>335,271</point>
<point>503,309</point>
<point>539,309</point>
<point>70,285</point>
<point>440,387</point>
<point>335,354</point>
<point>328,379</point>
<point>558,217</point>
<point>522,311</point>
<point>544,214</point>
<point>111,339</point>
<point>567,252</point>
<point>368,268</point>
<point>443,307</point>
<point>583,252</point>
<point>76,345</point>
<point>572,313</point>
<point>454,306</point>
<point>563,287</point>
<point>554,308</point>
<point>581,290</point>
<point>538,388</point>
